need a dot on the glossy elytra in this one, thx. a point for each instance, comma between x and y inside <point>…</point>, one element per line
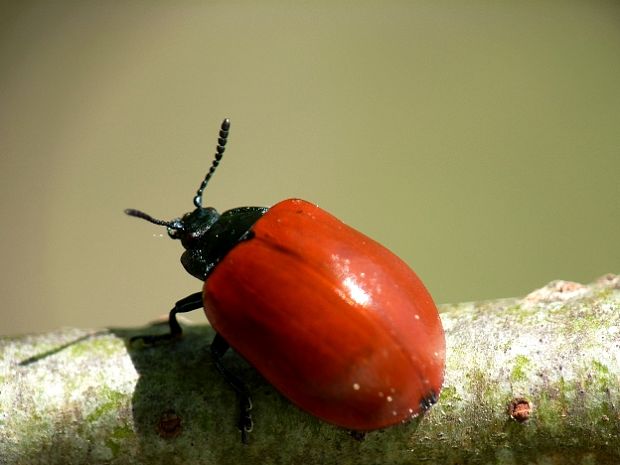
<point>340,325</point>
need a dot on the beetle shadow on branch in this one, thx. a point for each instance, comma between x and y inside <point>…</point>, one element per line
<point>181,400</point>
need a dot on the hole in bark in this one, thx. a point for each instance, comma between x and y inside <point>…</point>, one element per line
<point>169,425</point>
<point>520,409</point>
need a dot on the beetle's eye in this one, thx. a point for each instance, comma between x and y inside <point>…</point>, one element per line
<point>176,228</point>
<point>174,233</point>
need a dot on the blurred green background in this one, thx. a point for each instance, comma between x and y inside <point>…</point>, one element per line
<point>478,140</point>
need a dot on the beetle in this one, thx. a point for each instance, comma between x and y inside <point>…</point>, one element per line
<point>337,323</point>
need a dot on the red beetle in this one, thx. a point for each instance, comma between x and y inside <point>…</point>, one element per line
<point>335,321</point>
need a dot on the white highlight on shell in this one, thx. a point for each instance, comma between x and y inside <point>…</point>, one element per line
<point>389,398</point>
<point>358,294</point>
<point>356,387</point>
<point>352,282</point>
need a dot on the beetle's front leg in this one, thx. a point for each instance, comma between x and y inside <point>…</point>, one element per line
<point>189,303</point>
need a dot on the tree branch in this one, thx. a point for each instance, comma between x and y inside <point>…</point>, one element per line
<point>534,380</point>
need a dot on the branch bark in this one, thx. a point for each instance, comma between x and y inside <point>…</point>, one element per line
<point>532,380</point>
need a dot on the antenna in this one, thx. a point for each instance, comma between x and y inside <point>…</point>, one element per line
<point>147,217</point>
<point>219,152</point>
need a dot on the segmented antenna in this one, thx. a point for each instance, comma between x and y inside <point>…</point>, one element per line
<point>147,217</point>
<point>219,152</point>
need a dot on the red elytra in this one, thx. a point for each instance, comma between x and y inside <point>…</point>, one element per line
<point>335,321</point>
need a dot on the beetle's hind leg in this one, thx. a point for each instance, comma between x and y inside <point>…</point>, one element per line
<point>219,346</point>
<point>189,303</point>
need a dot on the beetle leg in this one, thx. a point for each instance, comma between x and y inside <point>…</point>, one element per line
<point>219,346</point>
<point>189,303</point>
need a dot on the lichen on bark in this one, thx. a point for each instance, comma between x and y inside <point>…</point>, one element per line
<point>532,380</point>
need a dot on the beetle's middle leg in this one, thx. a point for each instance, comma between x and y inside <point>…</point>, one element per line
<point>219,346</point>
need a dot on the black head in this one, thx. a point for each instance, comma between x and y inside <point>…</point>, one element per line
<point>193,226</point>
